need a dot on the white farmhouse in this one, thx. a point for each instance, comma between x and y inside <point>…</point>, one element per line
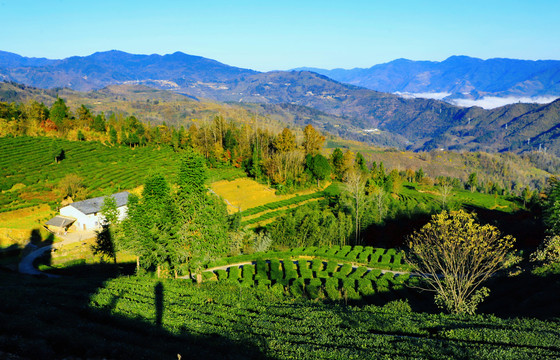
<point>86,214</point>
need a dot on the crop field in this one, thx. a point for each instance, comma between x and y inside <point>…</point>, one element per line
<point>430,196</point>
<point>318,279</point>
<point>378,258</point>
<point>135,317</point>
<point>334,273</point>
<point>252,197</point>
<point>28,172</point>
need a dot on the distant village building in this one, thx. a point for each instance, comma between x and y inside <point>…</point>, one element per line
<point>86,214</point>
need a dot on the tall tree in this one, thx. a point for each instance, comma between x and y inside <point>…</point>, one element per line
<point>285,141</point>
<point>551,208</point>
<point>337,160</point>
<point>361,162</point>
<point>202,232</point>
<point>150,226</point>
<point>312,140</point>
<point>105,238</point>
<point>356,187</point>
<point>59,113</point>
<point>454,255</point>
<point>320,167</point>
<point>472,182</point>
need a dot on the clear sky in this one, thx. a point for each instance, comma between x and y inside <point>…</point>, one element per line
<point>279,35</point>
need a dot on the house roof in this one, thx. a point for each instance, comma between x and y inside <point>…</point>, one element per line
<point>91,206</point>
<point>61,221</point>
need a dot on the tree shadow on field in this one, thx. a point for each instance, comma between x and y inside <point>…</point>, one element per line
<point>393,232</point>
<point>525,226</point>
<point>77,315</point>
<point>37,241</point>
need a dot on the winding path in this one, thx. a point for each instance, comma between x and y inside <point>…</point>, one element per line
<point>25,265</point>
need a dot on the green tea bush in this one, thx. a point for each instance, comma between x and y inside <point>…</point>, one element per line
<point>313,288</point>
<point>365,287</point>
<point>344,271</point>
<point>358,273</point>
<point>234,273</point>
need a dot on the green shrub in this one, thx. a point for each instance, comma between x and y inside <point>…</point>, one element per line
<point>333,250</point>
<point>349,289</point>
<point>297,289</point>
<point>248,272</point>
<point>262,270</point>
<point>332,288</point>
<point>331,267</point>
<point>344,271</point>
<point>317,265</point>
<point>313,288</point>
<point>358,273</point>
<point>222,275</point>
<point>275,270</point>
<point>365,287</point>
<point>234,273</point>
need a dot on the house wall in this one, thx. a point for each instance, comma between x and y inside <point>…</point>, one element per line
<point>91,221</point>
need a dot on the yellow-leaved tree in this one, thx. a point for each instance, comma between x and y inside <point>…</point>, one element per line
<point>454,255</point>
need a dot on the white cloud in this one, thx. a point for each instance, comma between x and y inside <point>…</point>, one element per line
<point>491,102</point>
<point>425,95</point>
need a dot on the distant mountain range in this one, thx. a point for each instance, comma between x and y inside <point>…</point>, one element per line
<point>115,67</point>
<point>459,79</point>
<point>415,123</point>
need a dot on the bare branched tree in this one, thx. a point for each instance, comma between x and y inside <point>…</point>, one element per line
<point>356,186</point>
<point>454,255</point>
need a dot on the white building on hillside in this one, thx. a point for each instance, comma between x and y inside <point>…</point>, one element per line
<point>86,214</point>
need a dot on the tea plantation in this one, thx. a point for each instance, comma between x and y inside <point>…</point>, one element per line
<point>135,317</point>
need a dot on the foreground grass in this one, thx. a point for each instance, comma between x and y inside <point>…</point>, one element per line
<point>130,317</point>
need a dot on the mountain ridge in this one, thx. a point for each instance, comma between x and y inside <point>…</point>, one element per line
<point>423,124</point>
<point>457,75</point>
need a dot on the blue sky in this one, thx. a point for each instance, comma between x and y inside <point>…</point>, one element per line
<point>266,35</point>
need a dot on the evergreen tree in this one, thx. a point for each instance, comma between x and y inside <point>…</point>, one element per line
<point>361,162</point>
<point>337,160</point>
<point>59,113</point>
<point>320,167</point>
<point>99,123</point>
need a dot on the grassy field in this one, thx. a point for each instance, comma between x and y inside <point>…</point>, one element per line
<point>16,226</point>
<point>244,193</point>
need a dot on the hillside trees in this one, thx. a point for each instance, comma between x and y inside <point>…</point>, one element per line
<point>454,255</point>
<point>312,225</point>
<point>319,167</point>
<point>356,187</point>
<point>167,229</point>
